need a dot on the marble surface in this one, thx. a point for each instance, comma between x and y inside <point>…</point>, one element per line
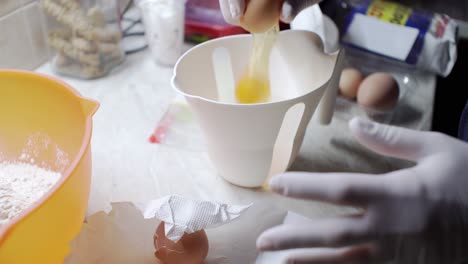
<point>127,167</point>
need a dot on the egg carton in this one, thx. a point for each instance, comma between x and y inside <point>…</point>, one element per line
<point>346,108</point>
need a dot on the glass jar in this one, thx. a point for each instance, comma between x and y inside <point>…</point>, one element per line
<point>84,36</point>
<point>164,28</point>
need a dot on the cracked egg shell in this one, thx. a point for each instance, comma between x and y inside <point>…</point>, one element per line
<point>190,249</point>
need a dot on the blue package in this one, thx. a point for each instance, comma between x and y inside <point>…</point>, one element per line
<point>434,48</point>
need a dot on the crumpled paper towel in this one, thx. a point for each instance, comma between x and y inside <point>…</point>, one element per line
<point>182,215</point>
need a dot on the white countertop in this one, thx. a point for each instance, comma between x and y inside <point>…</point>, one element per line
<point>127,167</point>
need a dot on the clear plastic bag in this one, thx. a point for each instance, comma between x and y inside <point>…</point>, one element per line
<point>368,64</point>
<point>178,128</point>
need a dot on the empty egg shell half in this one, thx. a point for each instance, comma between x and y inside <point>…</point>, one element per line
<point>378,91</point>
<point>190,249</point>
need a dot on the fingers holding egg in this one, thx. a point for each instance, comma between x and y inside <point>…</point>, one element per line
<point>261,15</point>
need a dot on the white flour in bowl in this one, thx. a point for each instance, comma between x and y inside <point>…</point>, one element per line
<point>22,184</point>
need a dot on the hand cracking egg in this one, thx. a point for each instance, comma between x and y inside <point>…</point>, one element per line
<point>261,15</point>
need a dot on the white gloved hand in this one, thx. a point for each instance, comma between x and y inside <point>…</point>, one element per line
<point>234,9</point>
<point>416,202</point>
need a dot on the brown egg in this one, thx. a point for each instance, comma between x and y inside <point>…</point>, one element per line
<point>261,15</point>
<point>378,91</point>
<point>349,82</point>
<point>190,249</point>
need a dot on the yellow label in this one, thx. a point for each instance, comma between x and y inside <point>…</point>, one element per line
<point>389,11</point>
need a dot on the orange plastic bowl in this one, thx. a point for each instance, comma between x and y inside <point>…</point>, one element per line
<point>32,103</point>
